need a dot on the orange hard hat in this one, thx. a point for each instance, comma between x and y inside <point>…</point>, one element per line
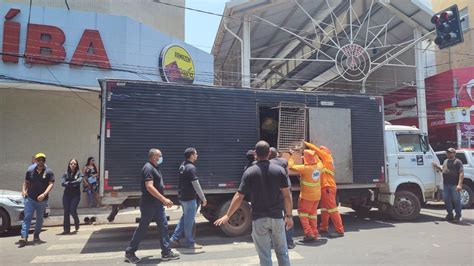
<point>324,148</point>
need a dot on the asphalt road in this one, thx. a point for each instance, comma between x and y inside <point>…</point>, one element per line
<point>375,239</point>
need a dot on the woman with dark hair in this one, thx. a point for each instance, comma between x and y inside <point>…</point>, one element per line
<point>91,182</point>
<point>71,181</point>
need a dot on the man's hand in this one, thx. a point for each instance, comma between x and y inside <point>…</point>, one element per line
<point>288,223</point>
<point>223,220</point>
<point>168,203</point>
<point>41,197</point>
<point>458,188</point>
<point>204,203</point>
<point>291,152</point>
<point>24,193</point>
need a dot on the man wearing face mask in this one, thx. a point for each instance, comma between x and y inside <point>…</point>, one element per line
<point>188,190</point>
<point>152,207</point>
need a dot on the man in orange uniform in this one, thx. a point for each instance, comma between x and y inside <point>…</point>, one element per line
<point>310,192</point>
<point>328,193</point>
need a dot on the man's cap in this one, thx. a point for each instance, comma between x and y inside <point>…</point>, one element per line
<point>452,150</point>
<point>40,155</point>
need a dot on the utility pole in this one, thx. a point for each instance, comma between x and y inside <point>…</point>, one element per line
<point>454,103</point>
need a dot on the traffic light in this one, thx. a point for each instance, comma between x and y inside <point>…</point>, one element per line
<point>448,27</point>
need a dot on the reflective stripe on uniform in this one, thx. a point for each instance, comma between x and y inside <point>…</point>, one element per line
<point>310,184</point>
<point>325,170</point>
<point>313,217</point>
<point>333,210</point>
<point>323,209</point>
<point>303,214</point>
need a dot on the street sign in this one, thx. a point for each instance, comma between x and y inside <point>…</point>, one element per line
<point>457,115</point>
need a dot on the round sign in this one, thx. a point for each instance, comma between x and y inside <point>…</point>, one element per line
<point>353,62</point>
<point>176,65</point>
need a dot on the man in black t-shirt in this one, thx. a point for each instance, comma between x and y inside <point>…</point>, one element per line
<point>453,176</point>
<point>152,207</point>
<point>267,187</point>
<point>38,183</point>
<point>276,159</point>
<point>188,190</point>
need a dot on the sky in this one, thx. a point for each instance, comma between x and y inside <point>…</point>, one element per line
<point>200,28</point>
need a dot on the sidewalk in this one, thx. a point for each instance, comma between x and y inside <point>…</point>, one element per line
<point>125,216</point>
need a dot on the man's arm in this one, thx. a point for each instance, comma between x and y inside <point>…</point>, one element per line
<point>153,191</point>
<point>461,176</point>
<point>24,190</point>
<point>293,166</point>
<point>288,203</point>
<point>198,189</point>
<point>234,205</point>
<point>437,167</point>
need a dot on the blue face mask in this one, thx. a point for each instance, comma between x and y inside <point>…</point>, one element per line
<point>160,161</point>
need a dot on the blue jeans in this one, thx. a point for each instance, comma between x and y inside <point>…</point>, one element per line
<point>185,225</point>
<point>148,212</point>
<point>266,231</point>
<point>289,235</point>
<point>70,203</point>
<point>90,197</point>
<point>32,206</point>
<point>452,197</point>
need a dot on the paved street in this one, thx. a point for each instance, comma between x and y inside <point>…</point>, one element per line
<point>371,240</point>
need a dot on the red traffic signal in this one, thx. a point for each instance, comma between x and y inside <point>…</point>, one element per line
<point>448,27</point>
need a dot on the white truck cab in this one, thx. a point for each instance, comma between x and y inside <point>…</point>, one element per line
<point>411,178</point>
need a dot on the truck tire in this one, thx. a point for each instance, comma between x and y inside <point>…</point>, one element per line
<point>4,221</point>
<point>467,197</point>
<point>239,223</point>
<point>406,206</point>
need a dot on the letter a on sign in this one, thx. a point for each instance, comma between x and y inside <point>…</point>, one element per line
<point>90,50</point>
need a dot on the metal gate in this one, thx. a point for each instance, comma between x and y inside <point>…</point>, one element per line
<point>291,125</point>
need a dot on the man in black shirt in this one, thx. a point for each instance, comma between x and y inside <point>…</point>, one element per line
<point>453,176</point>
<point>188,190</point>
<point>278,160</point>
<point>267,186</point>
<point>152,207</point>
<point>36,187</point>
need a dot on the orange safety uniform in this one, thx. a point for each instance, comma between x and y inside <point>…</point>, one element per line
<point>310,191</point>
<point>329,207</point>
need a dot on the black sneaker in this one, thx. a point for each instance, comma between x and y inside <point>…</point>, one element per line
<point>308,239</point>
<point>449,217</point>
<point>77,228</point>
<point>291,245</point>
<point>336,235</point>
<point>323,232</point>
<point>22,242</point>
<point>36,238</point>
<point>131,258</point>
<point>457,219</point>
<point>169,256</point>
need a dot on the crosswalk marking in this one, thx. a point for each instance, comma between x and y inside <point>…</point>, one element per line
<point>117,255</point>
<point>207,248</point>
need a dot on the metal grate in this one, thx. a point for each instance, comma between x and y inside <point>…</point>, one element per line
<point>291,125</point>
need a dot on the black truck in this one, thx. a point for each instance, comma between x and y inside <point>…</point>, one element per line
<point>223,124</point>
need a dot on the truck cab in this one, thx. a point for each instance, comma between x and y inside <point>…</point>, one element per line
<point>411,178</point>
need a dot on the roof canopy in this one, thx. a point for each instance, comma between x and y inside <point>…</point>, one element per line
<point>321,44</point>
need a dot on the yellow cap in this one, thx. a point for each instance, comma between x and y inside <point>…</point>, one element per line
<point>39,155</point>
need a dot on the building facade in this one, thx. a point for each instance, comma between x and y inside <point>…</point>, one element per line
<point>49,71</point>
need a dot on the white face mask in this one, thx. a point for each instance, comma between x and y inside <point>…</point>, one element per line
<point>160,161</point>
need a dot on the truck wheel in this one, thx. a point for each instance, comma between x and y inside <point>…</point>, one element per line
<point>406,206</point>
<point>239,223</point>
<point>467,196</point>
<point>4,221</point>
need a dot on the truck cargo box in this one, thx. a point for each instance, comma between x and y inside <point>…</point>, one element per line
<point>222,124</point>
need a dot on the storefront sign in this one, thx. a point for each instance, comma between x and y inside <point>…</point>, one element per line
<point>457,115</point>
<point>176,65</point>
<point>45,45</point>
